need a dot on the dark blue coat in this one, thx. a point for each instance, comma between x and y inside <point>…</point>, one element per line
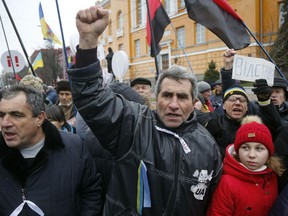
<point>280,207</point>
<point>61,181</point>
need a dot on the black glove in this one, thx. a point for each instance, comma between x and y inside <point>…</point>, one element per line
<point>262,90</point>
<point>216,104</point>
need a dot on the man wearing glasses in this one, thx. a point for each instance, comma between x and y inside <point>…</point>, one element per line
<point>236,105</point>
<point>223,127</point>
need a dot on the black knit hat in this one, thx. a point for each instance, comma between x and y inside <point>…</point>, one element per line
<point>235,89</point>
<point>140,80</point>
<point>63,85</point>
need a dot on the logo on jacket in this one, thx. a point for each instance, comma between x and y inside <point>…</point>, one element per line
<point>200,189</point>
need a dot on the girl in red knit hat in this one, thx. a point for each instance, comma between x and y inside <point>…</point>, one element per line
<point>248,185</point>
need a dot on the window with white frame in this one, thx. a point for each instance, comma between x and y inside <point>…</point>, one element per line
<point>200,34</point>
<point>120,20</point>
<point>137,48</point>
<point>119,31</point>
<point>164,61</point>
<point>139,12</point>
<point>181,37</point>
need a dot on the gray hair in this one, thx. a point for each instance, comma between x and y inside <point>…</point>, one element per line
<point>34,98</point>
<point>177,73</point>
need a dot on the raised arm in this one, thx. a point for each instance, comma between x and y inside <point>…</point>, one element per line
<point>226,71</point>
<point>228,57</point>
<point>91,23</point>
<point>106,113</point>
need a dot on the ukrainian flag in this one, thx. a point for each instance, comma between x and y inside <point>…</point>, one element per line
<point>46,30</point>
<point>38,62</point>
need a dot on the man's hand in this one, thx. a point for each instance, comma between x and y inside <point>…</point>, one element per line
<point>262,90</point>
<point>228,58</point>
<point>91,23</point>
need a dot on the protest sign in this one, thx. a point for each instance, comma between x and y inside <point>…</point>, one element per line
<point>249,69</point>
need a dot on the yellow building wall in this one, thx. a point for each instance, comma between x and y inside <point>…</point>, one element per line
<point>264,25</point>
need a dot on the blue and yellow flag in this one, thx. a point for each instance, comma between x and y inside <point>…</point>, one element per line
<point>38,62</point>
<point>46,30</point>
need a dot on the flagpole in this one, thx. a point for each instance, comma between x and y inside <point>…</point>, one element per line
<point>6,41</point>
<point>153,40</point>
<point>268,56</point>
<point>19,38</point>
<point>62,35</point>
<point>182,48</point>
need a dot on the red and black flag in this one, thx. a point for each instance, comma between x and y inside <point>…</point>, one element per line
<point>158,21</point>
<point>220,18</point>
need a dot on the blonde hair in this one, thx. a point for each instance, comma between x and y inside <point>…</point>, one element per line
<point>274,162</point>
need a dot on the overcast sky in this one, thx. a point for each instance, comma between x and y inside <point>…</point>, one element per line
<point>25,14</point>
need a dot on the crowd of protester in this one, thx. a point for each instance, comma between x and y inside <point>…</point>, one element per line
<point>86,147</point>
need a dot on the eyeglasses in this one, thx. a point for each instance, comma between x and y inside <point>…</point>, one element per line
<point>233,99</point>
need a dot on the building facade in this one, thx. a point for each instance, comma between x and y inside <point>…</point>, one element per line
<point>185,42</point>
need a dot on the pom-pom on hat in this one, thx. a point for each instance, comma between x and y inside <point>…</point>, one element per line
<point>63,85</point>
<point>253,130</point>
<point>235,89</point>
<point>203,86</point>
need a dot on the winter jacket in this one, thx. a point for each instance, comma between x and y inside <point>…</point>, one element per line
<point>216,99</point>
<point>280,207</point>
<point>281,150</point>
<point>283,112</point>
<point>61,181</point>
<point>241,191</point>
<point>51,95</point>
<point>152,175</point>
<point>224,129</point>
<point>268,113</point>
<point>101,156</point>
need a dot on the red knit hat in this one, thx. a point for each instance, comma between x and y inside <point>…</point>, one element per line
<point>254,132</point>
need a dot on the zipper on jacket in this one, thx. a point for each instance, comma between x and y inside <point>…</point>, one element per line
<point>24,185</point>
<point>173,192</point>
<point>23,194</point>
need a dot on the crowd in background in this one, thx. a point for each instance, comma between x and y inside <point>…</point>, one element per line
<point>86,147</point>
